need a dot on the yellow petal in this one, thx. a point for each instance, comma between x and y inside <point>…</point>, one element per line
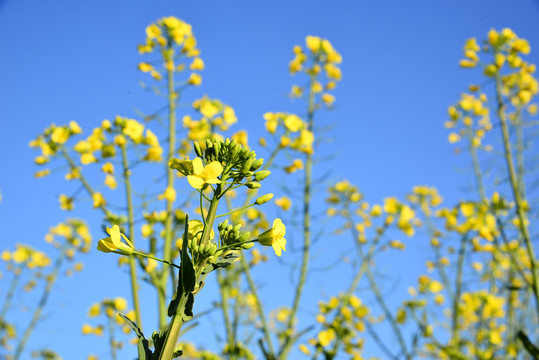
<point>197,166</point>
<point>213,170</point>
<point>276,248</point>
<point>195,181</point>
<point>106,245</point>
<point>278,227</point>
<point>115,236</point>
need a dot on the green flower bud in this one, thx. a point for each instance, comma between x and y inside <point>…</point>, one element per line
<point>256,164</point>
<point>253,185</point>
<point>237,227</point>
<point>248,245</point>
<point>246,166</point>
<point>198,150</point>
<point>261,175</point>
<point>264,199</point>
<point>244,237</point>
<point>244,153</point>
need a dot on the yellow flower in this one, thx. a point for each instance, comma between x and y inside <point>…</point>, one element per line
<point>87,329</point>
<point>240,137</point>
<point>284,203</point>
<point>313,43</point>
<point>134,130</point>
<point>328,99</point>
<point>197,64</point>
<point>274,237</point>
<point>203,175</point>
<point>94,310</point>
<point>293,123</point>
<point>66,202</point>
<point>75,128</point>
<point>114,243</point>
<point>98,200</point>
<point>60,135</point>
<point>295,166</point>
<point>169,194</point>
<point>110,181</point>
<point>120,304</point>
<point>108,168</point>
<point>194,79</point>
<point>326,336</point>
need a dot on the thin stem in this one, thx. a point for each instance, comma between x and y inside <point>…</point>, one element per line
<point>167,251</point>
<point>51,279</point>
<point>236,210</point>
<point>11,292</point>
<point>306,224</point>
<point>112,342</point>
<point>259,306</point>
<point>224,308</point>
<point>155,258</point>
<point>131,225</point>
<point>516,193</point>
<point>458,291</point>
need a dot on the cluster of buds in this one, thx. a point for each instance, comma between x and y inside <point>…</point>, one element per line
<point>230,235</point>
<point>226,158</point>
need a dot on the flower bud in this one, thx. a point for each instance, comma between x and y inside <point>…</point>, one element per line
<point>198,150</point>
<point>248,245</point>
<point>261,175</point>
<point>264,199</point>
<point>256,164</point>
<point>253,185</point>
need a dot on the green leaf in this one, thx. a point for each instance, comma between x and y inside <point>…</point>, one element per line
<point>187,276</point>
<point>225,261</point>
<point>188,312</point>
<point>144,352</point>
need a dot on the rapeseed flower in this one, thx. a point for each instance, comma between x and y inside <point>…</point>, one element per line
<point>114,243</point>
<point>203,175</point>
<point>274,237</point>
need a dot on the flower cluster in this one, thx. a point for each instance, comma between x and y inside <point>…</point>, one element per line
<point>293,134</point>
<point>109,308</point>
<point>319,55</point>
<point>174,38</point>
<point>342,319</point>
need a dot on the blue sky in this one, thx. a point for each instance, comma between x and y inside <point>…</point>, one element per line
<point>65,60</point>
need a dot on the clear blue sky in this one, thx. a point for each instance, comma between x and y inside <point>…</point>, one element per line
<point>76,60</point>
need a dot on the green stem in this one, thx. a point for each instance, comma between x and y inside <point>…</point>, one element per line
<point>155,258</point>
<point>112,343</point>
<point>11,292</point>
<point>516,193</point>
<point>224,308</point>
<point>306,225</point>
<point>175,325</point>
<point>458,290</point>
<point>259,306</point>
<point>131,224</point>
<point>51,279</point>
<point>167,250</point>
<point>236,210</point>
<point>437,257</point>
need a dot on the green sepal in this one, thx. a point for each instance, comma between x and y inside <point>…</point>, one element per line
<point>144,352</point>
